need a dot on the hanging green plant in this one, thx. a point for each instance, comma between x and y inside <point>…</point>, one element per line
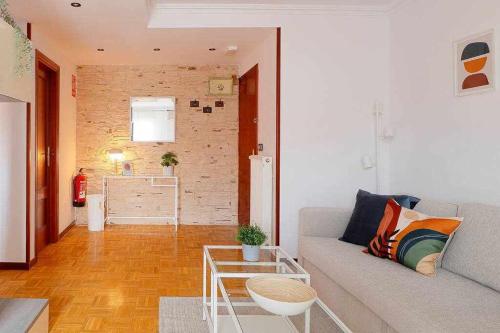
<point>24,49</point>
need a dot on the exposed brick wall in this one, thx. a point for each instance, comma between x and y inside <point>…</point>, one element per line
<point>206,144</point>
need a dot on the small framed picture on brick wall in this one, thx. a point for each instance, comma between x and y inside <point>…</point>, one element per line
<point>127,169</point>
<point>220,86</point>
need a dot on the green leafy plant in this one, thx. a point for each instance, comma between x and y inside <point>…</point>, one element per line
<point>251,235</point>
<point>24,48</point>
<point>169,159</point>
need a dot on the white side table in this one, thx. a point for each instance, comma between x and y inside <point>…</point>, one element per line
<point>106,194</point>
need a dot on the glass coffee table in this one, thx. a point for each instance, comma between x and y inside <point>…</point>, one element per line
<point>236,312</point>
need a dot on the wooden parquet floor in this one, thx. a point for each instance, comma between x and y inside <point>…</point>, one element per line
<point>112,281</point>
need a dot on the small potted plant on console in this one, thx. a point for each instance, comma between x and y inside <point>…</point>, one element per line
<point>251,237</point>
<point>168,161</point>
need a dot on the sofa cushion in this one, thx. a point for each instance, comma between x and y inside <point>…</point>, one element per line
<point>367,214</point>
<point>411,238</point>
<point>407,301</point>
<point>436,208</point>
<point>474,249</point>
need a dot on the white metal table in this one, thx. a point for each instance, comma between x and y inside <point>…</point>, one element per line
<point>225,263</point>
<point>173,217</point>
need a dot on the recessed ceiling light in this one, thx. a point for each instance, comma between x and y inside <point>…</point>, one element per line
<point>100,50</point>
<point>76,4</point>
<point>212,49</point>
<point>156,49</point>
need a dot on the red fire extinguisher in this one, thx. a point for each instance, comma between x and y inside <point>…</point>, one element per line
<point>79,189</point>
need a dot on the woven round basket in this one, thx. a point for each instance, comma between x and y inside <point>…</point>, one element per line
<point>280,295</point>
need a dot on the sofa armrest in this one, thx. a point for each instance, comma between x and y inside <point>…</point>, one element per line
<point>323,222</point>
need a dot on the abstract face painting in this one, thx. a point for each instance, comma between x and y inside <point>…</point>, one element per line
<point>475,64</point>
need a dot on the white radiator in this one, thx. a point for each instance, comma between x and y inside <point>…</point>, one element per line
<point>261,193</point>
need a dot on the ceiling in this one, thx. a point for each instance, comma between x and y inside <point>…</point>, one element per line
<point>120,28</point>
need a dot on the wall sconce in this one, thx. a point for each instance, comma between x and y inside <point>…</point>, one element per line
<point>388,134</point>
<point>115,155</point>
<point>367,162</point>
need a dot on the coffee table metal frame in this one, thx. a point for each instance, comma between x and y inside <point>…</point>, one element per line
<point>210,313</point>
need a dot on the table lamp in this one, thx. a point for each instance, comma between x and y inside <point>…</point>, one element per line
<point>115,155</point>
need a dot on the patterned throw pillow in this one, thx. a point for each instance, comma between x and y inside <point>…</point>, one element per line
<point>412,238</point>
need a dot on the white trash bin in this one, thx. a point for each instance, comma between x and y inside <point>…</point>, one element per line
<point>95,212</point>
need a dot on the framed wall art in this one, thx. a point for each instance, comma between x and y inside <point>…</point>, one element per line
<point>127,169</point>
<point>475,64</point>
<point>220,86</point>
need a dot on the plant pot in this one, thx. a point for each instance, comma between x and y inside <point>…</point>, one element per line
<point>168,171</point>
<point>251,252</point>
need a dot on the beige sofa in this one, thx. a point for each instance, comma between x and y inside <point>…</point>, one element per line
<point>377,295</point>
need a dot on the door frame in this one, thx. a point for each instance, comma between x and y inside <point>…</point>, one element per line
<point>53,141</point>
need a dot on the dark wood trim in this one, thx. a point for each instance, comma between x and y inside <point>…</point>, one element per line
<point>28,30</point>
<point>14,266</point>
<point>32,262</point>
<point>18,266</point>
<point>43,60</point>
<point>68,228</point>
<point>28,183</point>
<point>46,61</point>
<point>278,132</point>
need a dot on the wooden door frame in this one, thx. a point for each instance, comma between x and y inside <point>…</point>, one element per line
<point>53,142</point>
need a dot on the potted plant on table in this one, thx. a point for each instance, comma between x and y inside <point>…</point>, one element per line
<point>251,237</point>
<point>168,160</point>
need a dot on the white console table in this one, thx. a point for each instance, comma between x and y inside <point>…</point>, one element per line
<point>175,185</point>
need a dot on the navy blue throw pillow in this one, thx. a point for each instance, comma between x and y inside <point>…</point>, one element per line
<point>368,212</point>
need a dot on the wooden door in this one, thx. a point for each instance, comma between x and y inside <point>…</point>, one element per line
<point>247,139</point>
<point>43,159</point>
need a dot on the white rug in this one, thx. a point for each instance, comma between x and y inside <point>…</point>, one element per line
<point>184,315</point>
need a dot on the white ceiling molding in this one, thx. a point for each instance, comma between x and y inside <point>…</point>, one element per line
<point>259,9</point>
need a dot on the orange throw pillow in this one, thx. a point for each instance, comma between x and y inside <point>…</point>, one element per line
<point>412,239</point>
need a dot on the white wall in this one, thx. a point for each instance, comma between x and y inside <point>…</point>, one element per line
<point>265,56</point>
<point>445,146</point>
<point>13,182</point>
<point>334,66</point>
